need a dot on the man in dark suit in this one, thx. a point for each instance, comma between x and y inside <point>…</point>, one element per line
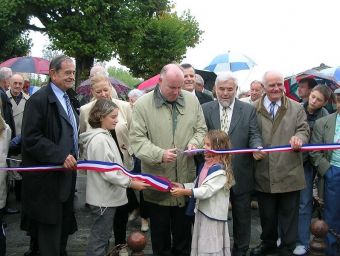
<point>238,119</point>
<point>50,137</point>
<point>190,83</point>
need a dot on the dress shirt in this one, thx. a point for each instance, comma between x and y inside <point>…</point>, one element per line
<point>229,112</point>
<point>267,102</point>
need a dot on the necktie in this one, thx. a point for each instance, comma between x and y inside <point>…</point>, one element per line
<point>272,109</point>
<point>73,123</point>
<point>224,121</point>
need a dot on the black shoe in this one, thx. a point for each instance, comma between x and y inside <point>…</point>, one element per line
<point>262,250</point>
<point>11,211</point>
<point>31,253</point>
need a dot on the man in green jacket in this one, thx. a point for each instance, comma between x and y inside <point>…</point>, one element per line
<point>167,121</point>
<point>279,176</point>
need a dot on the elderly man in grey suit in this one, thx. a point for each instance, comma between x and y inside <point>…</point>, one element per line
<point>238,119</point>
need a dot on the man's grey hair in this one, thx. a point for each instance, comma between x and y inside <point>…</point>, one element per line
<point>5,73</point>
<point>224,77</point>
<point>199,79</point>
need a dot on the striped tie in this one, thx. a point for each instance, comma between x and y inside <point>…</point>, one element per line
<point>272,109</point>
<point>73,123</point>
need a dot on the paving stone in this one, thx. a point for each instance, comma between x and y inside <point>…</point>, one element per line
<point>18,241</point>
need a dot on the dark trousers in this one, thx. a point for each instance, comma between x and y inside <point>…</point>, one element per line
<point>279,214</point>
<point>2,234</point>
<point>170,230</point>
<point>52,239</point>
<point>120,221</point>
<point>241,212</point>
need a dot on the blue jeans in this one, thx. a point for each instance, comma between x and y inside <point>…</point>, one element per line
<point>306,207</point>
<point>332,208</point>
<point>101,230</point>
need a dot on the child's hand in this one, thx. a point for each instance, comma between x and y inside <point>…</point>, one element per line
<point>176,192</point>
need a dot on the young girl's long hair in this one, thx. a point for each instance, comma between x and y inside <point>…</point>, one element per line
<point>220,141</point>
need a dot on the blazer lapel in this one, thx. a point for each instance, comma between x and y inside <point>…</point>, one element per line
<point>215,115</point>
<point>330,129</point>
<point>54,99</point>
<point>237,111</point>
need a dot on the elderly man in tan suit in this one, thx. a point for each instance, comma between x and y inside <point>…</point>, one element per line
<point>279,176</point>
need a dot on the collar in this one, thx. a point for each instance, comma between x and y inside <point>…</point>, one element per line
<point>58,92</point>
<point>231,107</point>
<point>160,100</point>
<point>267,102</point>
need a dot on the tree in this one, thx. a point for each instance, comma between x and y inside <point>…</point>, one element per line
<point>102,29</point>
<point>124,76</point>
<point>14,42</point>
<point>164,40</point>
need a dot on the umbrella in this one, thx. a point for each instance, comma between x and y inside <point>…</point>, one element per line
<point>291,84</point>
<point>122,89</point>
<point>230,62</point>
<point>208,77</point>
<point>27,64</point>
<point>149,84</point>
<point>332,72</point>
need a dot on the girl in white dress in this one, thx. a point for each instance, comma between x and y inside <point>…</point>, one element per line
<point>210,190</point>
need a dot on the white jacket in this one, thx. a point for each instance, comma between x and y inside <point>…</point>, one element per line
<point>5,138</point>
<point>212,198</point>
<point>103,189</point>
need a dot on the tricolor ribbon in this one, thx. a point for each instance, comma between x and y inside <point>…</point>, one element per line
<point>157,182</point>
<point>283,148</point>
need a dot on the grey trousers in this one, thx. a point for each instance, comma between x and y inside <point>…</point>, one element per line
<point>98,242</point>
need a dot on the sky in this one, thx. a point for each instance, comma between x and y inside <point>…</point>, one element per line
<point>285,35</point>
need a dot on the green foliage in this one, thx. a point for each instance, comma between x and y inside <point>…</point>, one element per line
<point>144,35</point>
<point>165,40</point>
<point>14,42</point>
<point>123,76</point>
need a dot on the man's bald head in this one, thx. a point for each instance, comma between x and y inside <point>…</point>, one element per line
<point>16,84</point>
<point>273,83</point>
<point>171,81</point>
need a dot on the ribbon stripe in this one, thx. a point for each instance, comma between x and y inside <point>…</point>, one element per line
<point>158,182</point>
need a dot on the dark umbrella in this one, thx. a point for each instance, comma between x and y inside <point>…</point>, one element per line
<point>291,84</point>
<point>27,64</point>
<point>122,89</point>
<point>208,77</point>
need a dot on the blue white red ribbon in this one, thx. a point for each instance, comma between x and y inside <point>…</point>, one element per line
<point>283,148</point>
<point>162,183</point>
<point>157,182</point>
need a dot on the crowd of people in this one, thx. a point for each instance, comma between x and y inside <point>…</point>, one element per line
<point>153,134</point>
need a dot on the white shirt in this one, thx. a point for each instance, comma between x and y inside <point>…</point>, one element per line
<point>267,102</point>
<point>229,112</point>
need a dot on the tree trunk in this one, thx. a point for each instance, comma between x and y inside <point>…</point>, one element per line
<point>83,66</point>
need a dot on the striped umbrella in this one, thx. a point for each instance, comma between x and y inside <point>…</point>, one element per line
<point>230,61</point>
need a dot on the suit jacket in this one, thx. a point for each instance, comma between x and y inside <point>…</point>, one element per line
<point>18,110</point>
<point>243,133</point>
<point>323,132</point>
<point>203,97</point>
<point>6,111</point>
<point>47,139</point>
